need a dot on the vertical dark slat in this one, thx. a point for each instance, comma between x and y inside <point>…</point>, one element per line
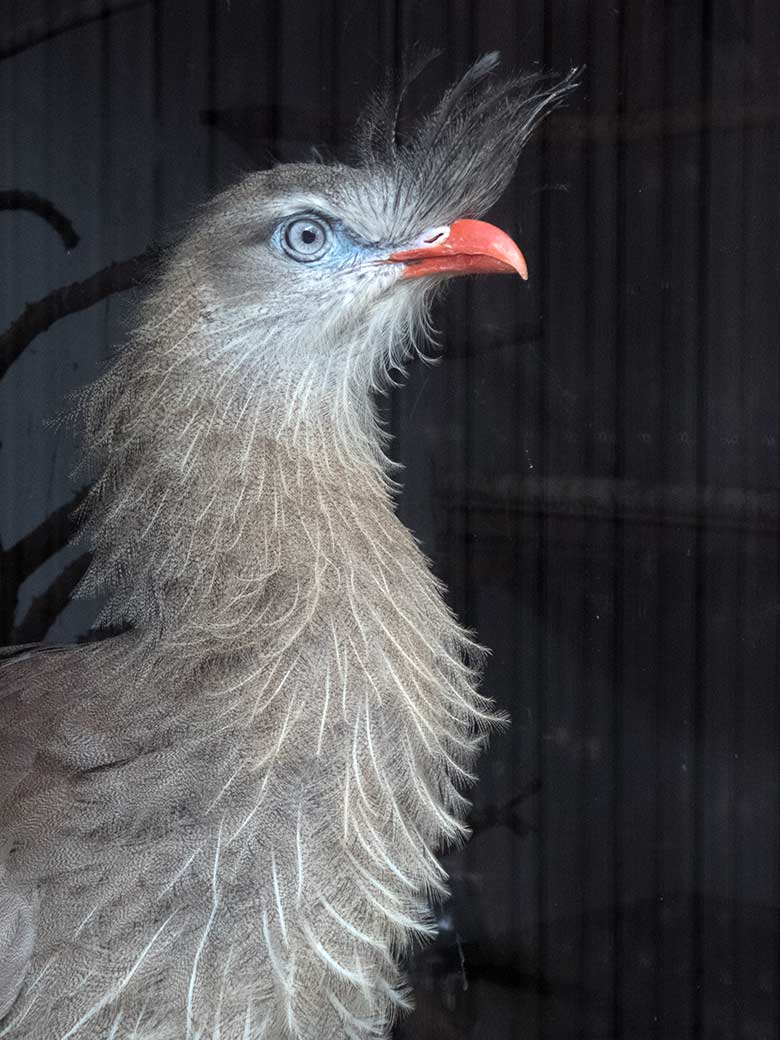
<point>661,570</point>
<point>470,430</point>
<point>16,454</point>
<point>183,93</point>
<point>490,862</point>
<point>273,53</point>
<point>698,966</point>
<point>618,534</point>
<point>48,179</point>
<point>8,417</point>
<point>395,44</point>
<point>678,652</point>
<point>595,751</point>
<point>403,27</point>
<point>327,60</point>
<point>301,73</point>
<point>741,697</point>
<point>384,55</point>
<point>106,110</point>
<point>526,28</point>
<point>757,826</point>
<point>45,403</point>
<point>130,128</point>
<point>599,796</point>
<point>529,607</point>
<point>656,920</point>
<point>210,59</point>
<point>541,598</point>
<point>351,84</point>
<point>562,262</point>
<point>528,610</point>
<point>157,96</point>
<point>247,68</point>
<point>722,551</point>
<point>774,731</point>
<point>457,32</point>
<point>503,774</point>
<point>333,39</point>
<point>547,560</point>
<point>636,545</point>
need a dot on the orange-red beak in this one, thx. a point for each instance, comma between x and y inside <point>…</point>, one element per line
<point>465,247</point>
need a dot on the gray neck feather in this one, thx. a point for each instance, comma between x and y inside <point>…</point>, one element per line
<point>284,615</point>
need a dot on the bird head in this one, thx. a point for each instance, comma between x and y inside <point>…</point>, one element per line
<point>318,249</point>
<point>311,281</point>
<point>292,297</point>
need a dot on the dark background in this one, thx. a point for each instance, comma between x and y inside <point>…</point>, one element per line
<point>592,466</point>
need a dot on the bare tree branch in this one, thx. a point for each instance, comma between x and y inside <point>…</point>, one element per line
<point>39,316</point>
<point>22,559</point>
<point>32,550</point>
<point>45,210</point>
<point>46,608</point>
<point>40,29</point>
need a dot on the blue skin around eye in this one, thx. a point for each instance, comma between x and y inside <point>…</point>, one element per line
<point>343,249</point>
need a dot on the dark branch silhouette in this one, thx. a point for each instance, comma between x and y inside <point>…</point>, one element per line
<point>28,200</point>
<point>45,609</point>
<point>22,559</point>
<point>42,542</point>
<point>41,315</point>
<point>40,29</point>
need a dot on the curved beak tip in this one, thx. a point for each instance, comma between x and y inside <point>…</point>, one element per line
<point>465,247</point>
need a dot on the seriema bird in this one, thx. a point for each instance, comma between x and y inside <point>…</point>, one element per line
<point>222,823</point>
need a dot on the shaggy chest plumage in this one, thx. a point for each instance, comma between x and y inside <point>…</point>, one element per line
<point>222,824</point>
<point>275,787</point>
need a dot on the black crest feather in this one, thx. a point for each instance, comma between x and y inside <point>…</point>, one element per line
<point>460,158</point>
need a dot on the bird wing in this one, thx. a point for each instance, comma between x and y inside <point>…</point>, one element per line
<point>17,901</point>
<point>17,936</point>
<point>26,678</point>
<point>30,676</point>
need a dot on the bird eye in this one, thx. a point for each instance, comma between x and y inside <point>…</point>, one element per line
<point>306,238</point>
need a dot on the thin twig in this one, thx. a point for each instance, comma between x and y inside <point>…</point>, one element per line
<point>41,315</point>
<point>44,209</point>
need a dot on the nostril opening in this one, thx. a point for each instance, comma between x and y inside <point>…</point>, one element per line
<point>433,238</point>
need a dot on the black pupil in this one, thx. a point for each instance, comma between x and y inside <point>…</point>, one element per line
<point>308,235</point>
